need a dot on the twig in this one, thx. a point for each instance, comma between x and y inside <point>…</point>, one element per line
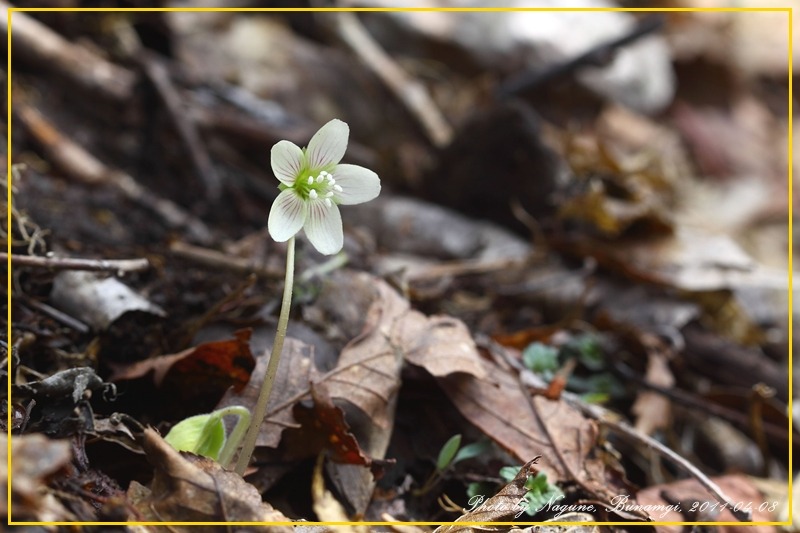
<point>599,414</point>
<point>409,91</point>
<point>55,314</point>
<point>223,261</point>
<point>70,263</point>
<point>83,167</point>
<point>157,74</point>
<point>597,56</point>
<point>38,45</point>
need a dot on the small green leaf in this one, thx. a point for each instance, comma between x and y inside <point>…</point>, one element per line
<point>448,452</point>
<point>540,358</point>
<point>201,434</point>
<point>588,350</point>
<point>472,450</point>
<point>508,473</point>
<point>540,493</point>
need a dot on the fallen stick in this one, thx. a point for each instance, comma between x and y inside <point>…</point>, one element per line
<point>69,263</point>
<point>83,167</point>
<point>38,45</point>
<point>409,91</point>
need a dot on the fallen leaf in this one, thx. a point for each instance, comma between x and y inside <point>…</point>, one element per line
<point>330,431</point>
<point>295,371</point>
<point>503,410</point>
<point>198,375</point>
<point>507,504</point>
<point>190,488</point>
<point>35,459</point>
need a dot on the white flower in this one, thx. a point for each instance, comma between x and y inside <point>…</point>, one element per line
<point>314,184</point>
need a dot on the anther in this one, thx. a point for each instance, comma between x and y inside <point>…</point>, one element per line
<point>310,180</point>
<point>337,188</point>
<point>328,194</point>
<point>320,178</point>
<point>328,202</point>
<point>313,194</point>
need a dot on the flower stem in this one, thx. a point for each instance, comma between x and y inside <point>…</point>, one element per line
<point>260,410</point>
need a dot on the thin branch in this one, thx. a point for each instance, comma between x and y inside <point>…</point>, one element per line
<point>70,263</point>
<point>77,163</point>
<point>215,259</point>
<point>38,45</point>
<point>409,91</point>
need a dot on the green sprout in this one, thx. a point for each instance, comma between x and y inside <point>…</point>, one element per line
<point>450,454</point>
<point>205,434</point>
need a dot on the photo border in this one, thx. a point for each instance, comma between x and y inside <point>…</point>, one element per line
<point>790,189</point>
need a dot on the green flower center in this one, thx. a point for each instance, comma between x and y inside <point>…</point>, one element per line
<point>321,186</point>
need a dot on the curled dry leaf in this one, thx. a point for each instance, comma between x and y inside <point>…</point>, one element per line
<point>189,488</point>
<point>507,504</point>
<point>199,373</point>
<point>330,431</point>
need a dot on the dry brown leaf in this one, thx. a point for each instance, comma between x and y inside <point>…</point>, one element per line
<point>35,458</point>
<point>507,504</point>
<point>503,410</point>
<point>200,373</point>
<point>295,371</point>
<point>189,488</point>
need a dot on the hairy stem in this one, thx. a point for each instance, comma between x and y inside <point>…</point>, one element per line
<point>260,410</point>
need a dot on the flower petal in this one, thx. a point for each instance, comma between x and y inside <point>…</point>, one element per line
<point>324,227</point>
<point>287,161</point>
<point>287,215</point>
<point>328,145</point>
<point>358,184</point>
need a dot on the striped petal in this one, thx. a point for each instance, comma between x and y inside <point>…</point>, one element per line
<point>358,184</point>
<point>324,227</point>
<point>287,161</point>
<point>327,146</point>
<point>287,216</point>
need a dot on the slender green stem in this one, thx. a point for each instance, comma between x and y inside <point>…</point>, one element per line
<point>235,438</point>
<point>260,410</point>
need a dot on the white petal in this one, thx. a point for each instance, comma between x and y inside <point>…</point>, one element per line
<point>287,215</point>
<point>358,184</point>
<point>287,161</point>
<point>324,227</point>
<point>328,145</point>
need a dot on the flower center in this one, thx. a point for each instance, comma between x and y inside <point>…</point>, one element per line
<point>322,186</point>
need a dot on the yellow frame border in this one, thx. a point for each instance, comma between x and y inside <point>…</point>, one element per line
<point>788,10</point>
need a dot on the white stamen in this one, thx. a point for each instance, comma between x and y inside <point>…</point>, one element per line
<point>313,194</point>
<point>328,194</point>
<point>328,202</point>
<point>323,173</point>
<point>310,180</point>
<point>331,181</point>
<point>337,188</point>
<point>320,178</point>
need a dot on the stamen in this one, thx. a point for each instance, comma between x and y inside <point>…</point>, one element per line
<point>310,180</point>
<point>313,194</point>
<point>323,173</point>
<point>328,202</point>
<point>328,194</point>
<point>337,188</point>
<point>331,181</point>
<point>320,178</point>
